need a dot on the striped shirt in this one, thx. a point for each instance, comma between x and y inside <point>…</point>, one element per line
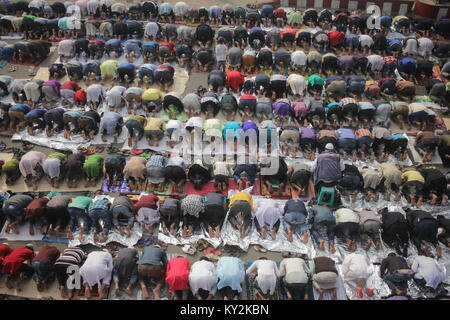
<point>71,256</point>
<point>99,204</point>
<point>363,132</point>
<point>346,101</point>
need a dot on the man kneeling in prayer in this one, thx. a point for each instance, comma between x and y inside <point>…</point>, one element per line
<point>203,279</point>
<point>356,269</point>
<point>267,217</point>
<point>325,276</point>
<point>267,273</point>
<point>125,269</point>
<point>152,266</point>
<point>97,270</point>
<point>240,215</point>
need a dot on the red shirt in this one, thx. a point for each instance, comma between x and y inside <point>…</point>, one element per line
<point>13,262</point>
<point>149,201</point>
<point>287,30</point>
<point>47,254</point>
<point>99,42</point>
<point>70,85</point>
<point>279,13</point>
<point>336,37</point>
<point>247,96</point>
<point>5,250</point>
<point>36,209</point>
<point>177,274</point>
<point>80,95</point>
<point>235,79</point>
<point>168,44</point>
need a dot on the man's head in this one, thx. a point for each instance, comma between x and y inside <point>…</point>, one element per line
<point>392,254</point>
<point>329,146</point>
<point>29,246</point>
<point>204,259</point>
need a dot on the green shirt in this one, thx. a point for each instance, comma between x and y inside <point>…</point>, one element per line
<point>10,166</point>
<point>58,155</point>
<point>80,202</point>
<point>93,165</point>
<point>315,79</point>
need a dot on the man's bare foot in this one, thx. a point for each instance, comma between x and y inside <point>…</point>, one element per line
<point>156,294</point>
<point>376,196</point>
<point>87,292</point>
<point>398,196</point>
<point>145,293</point>
<point>368,195</point>
<point>263,233</point>
<point>369,244</point>
<point>128,290</point>
<point>333,295</point>
<point>354,197</point>
<point>331,248</point>
<point>322,245</point>
<point>433,199</point>
<point>305,237</point>
<point>274,234</point>
<point>378,245</point>
<point>444,200</point>
<point>290,238</point>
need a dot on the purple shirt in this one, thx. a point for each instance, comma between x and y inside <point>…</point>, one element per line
<point>345,134</point>
<point>308,133</point>
<point>346,61</point>
<point>247,125</point>
<point>281,108</point>
<point>54,84</point>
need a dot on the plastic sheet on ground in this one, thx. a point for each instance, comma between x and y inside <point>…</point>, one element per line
<point>198,234</point>
<point>380,288</point>
<point>24,233</point>
<point>362,204</point>
<point>114,236</point>
<point>281,243</point>
<point>57,141</point>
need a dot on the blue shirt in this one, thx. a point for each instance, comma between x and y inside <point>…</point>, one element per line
<point>322,213</point>
<point>230,272</point>
<point>345,133</point>
<point>36,113</point>
<point>396,136</point>
<point>127,65</point>
<point>20,107</point>
<point>231,125</point>
<point>151,44</point>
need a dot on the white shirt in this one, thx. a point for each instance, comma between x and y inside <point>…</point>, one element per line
<point>356,266</point>
<point>151,29</point>
<point>295,270</point>
<point>267,275</point>
<point>97,268</point>
<point>203,276</point>
<point>425,46</point>
<point>427,268</point>
<point>94,92</point>
<point>148,215</point>
<point>298,58</point>
<point>221,52</point>
<point>365,40</point>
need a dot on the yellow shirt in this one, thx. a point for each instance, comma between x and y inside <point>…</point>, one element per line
<point>155,124</point>
<point>242,196</point>
<point>413,175</point>
<point>140,119</point>
<point>152,94</point>
<point>109,67</point>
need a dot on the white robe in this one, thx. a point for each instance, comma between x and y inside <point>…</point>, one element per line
<point>97,269</point>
